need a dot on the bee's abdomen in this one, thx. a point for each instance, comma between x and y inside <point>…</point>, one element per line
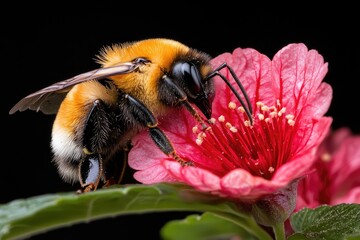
<point>90,123</point>
<point>67,153</point>
<point>70,123</point>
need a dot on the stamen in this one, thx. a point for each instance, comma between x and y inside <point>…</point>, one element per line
<point>195,129</point>
<point>273,114</point>
<point>289,116</point>
<point>212,120</point>
<point>233,129</point>
<point>201,135</point>
<point>232,105</point>
<point>272,108</point>
<point>241,109</point>
<point>325,157</point>
<point>264,108</point>
<point>282,111</point>
<point>199,141</point>
<point>259,104</point>
<point>291,122</point>
<point>258,146</point>
<point>200,138</point>
<point>261,116</point>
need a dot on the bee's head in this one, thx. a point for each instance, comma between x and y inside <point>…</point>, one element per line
<point>199,90</point>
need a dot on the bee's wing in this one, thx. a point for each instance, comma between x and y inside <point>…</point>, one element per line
<point>48,99</point>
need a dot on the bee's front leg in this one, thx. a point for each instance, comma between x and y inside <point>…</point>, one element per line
<point>146,118</point>
<point>171,93</point>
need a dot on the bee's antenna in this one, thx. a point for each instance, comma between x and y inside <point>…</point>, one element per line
<point>247,107</point>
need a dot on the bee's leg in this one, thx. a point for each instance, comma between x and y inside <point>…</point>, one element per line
<point>115,169</point>
<point>146,118</point>
<point>95,136</point>
<point>174,94</point>
<point>90,172</point>
<point>97,128</point>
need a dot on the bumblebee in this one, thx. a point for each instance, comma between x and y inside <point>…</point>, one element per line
<point>98,112</point>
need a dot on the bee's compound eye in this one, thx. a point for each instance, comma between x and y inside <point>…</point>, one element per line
<point>141,60</point>
<point>188,72</point>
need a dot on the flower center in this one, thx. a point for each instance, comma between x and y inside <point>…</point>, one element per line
<point>260,148</point>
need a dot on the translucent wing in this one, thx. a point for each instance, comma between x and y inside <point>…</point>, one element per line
<point>48,100</point>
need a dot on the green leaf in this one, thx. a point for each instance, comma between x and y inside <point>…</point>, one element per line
<point>206,227</point>
<point>27,217</point>
<point>327,222</point>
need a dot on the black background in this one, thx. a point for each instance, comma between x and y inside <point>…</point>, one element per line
<point>40,48</point>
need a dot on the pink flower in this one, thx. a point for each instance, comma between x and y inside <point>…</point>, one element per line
<point>237,160</point>
<point>336,179</point>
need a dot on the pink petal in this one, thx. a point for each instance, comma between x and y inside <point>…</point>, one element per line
<point>336,138</point>
<point>297,168</point>
<point>253,71</point>
<point>297,74</point>
<point>178,128</point>
<point>196,177</point>
<point>320,103</point>
<point>336,178</point>
<point>201,179</point>
<point>174,168</point>
<point>255,75</point>
<point>352,196</point>
<point>345,165</point>
<point>304,160</point>
<point>144,153</point>
<point>311,135</point>
<point>154,174</point>
<point>240,183</point>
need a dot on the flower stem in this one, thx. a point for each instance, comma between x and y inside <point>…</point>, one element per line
<point>279,231</point>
